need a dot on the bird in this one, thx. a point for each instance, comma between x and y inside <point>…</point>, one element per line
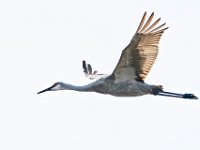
<point>128,77</point>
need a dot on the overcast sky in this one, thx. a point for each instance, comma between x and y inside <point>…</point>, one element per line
<point>44,41</point>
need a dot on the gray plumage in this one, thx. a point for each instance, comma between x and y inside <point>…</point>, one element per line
<point>135,62</point>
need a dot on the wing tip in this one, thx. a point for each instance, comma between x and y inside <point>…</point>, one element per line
<point>84,67</point>
<point>148,26</point>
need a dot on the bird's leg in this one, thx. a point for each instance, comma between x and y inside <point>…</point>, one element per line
<point>170,94</point>
<point>158,90</point>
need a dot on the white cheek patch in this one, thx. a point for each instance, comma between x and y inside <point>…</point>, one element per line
<point>57,87</point>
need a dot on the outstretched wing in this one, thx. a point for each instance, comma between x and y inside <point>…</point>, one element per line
<point>138,57</point>
<point>87,69</point>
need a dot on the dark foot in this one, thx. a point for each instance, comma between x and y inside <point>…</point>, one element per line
<point>189,96</point>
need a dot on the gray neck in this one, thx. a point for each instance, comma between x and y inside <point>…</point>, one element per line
<point>85,88</point>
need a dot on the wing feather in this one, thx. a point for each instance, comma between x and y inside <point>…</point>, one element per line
<point>139,56</point>
<point>142,22</point>
<point>153,25</point>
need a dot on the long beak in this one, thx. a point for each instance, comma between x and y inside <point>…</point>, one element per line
<point>48,89</point>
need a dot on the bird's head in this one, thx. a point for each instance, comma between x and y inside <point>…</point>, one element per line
<point>55,87</point>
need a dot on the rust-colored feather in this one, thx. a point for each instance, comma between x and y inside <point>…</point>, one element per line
<point>147,23</point>
<point>152,26</point>
<point>142,22</point>
<point>139,56</point>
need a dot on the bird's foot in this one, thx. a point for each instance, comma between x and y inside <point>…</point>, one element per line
<point>190,96</point>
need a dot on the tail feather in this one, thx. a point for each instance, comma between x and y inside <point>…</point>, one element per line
<point>170,94</point>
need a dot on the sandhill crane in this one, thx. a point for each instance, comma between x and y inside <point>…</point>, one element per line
<point>135,62</point>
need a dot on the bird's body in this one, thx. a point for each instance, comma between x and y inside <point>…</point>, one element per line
<point>127,79</point>
<point>120,89</point>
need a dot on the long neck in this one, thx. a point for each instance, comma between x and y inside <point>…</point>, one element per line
<point>84,88</point>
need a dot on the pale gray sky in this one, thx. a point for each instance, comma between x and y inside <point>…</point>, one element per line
<point>45,41</point>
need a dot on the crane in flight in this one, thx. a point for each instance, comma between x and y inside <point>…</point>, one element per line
<point>127,79</point>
